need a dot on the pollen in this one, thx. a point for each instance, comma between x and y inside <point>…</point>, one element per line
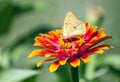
<point>65,45</point>
<point>81,41</point>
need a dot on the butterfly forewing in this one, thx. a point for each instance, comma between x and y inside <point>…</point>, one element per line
<point>72,26</point>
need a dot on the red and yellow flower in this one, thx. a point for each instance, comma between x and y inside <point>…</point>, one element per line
<point>72,49</point>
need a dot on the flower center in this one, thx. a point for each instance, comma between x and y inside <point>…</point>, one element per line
<point>68,43</point>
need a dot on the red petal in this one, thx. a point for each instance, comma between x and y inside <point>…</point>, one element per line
<point>54,34</point>
<point>97,50</point>
<point>45,60</point>
<point>38,52</point>
<point>87,26</point>
<point>41,40</point>
<point>34,53</point>
<point>92,42</point>
<point>90,32</point>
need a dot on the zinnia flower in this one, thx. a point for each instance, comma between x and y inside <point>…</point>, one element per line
<point>73,49</point>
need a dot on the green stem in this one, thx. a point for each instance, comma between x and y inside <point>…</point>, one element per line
<point>74,74</point>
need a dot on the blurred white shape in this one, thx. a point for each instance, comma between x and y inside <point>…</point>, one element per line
<point>94,15</point>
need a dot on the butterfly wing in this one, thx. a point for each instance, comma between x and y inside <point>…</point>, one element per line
<point>72,26</point>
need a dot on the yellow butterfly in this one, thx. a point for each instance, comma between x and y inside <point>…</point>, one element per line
<point>72,26</point>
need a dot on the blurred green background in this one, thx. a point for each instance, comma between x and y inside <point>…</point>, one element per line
<point>22,20</point>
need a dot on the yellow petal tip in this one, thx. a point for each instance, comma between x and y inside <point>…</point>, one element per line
<point>100,52</point>
<point>39,64</point>
<point>75,63</point>
<point>63,61</point>
<point>54,66</point>
<point>47,55</point>
<point>29,56</point>
<point>86,60</point>
<point>36,44</point>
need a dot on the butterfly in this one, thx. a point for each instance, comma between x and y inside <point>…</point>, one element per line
<point>72,26</point>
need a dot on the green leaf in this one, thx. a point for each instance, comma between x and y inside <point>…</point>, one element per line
<point>111,60</point>
<point>16,75</point>
<point>109,77</point>
<point>6,15</point>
